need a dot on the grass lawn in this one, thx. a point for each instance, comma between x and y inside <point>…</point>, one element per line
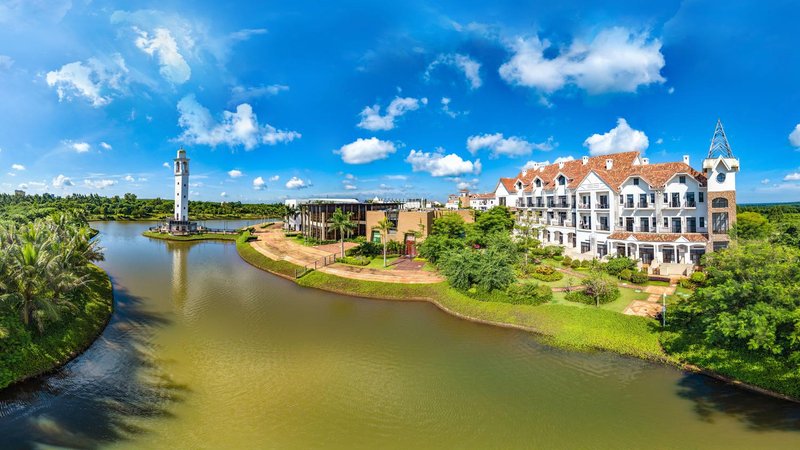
<point>377,262</point>
<point>617,306</point>
<point>683,292</point>
<point>192,237</point>
<point>565,326</point>
<point>252,256</point>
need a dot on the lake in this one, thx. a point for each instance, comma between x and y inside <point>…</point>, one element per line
<point>205,351</point>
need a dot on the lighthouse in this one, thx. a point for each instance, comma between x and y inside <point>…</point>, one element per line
<point>180,218</point>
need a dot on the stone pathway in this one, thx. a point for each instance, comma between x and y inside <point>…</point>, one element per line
<point>274,245</point>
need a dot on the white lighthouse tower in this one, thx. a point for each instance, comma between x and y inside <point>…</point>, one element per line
<point>180,218</point>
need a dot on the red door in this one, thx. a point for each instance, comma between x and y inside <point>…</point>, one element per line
<point>411,249</point>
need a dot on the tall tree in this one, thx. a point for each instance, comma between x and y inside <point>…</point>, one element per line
<point>341,222</point>
<point>384,226</point>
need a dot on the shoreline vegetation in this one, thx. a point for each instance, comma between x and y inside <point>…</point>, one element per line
<point>30,355</point>
<point>192,237</point>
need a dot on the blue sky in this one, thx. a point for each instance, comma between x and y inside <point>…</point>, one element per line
<point>390,99</point>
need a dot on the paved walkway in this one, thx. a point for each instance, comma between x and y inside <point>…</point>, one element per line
<point>274,245</point>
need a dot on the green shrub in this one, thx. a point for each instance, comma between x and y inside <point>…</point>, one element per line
<point>698,278</point>
<point>355,260</point>
<point>544,269</point>
<point>686,283</point>
<point>394,247</point>
<point>639,278</point>
<point>558,257</point>
<point>625,274</point>
<point>529,294</point>
<point>617,264</point>
<point>546,273</point>
<point>576,264</point>
<point>586,263</point>
<point>579,297</point>
<point>566,261</point>
<point>366,249</point>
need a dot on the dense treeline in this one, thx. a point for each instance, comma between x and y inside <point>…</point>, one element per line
<point>53,299</point>
<point>744,319</point>
<point>25,208</point>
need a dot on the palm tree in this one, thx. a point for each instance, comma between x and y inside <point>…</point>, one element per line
<point>385,225</point>
<point>341,223</point>
<point>289,212</point>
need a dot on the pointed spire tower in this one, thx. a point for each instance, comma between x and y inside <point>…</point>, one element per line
<point>720,168</point>
<point>719,143</point>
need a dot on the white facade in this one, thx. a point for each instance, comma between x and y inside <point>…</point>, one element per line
<point>181,171</point>
<point>482,202</point>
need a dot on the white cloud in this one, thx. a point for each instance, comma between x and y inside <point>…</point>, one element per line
<point>532,164</point>
<point>765,181</point>
<point>99,184</point>
<point>6,62</point>
<point>363,151</point>
<point>794,136</point>
<point>349,186</point>
<point>18,167</point>
<point>129,178</point>
<point>173,66</point>
<point>396,177</point>
<point>297,183</point>
<point>623,138</point>
<point>563,159</point>
<point>80,147</point>
<point>167,165</point>
<point>512,146</point>
<point>234,173</point>
<point>61,182</point>
<point>246,33</point>
<point>105,145</point>
<point>223,194</point>
<point>794,176</point>
<point>671,90</point>
<point>616,60</point>
<point>274,178</point>
<point>371,118</point>
<point>242,94</point>
<point>259,184</point>
<point>468,66</point>
<point>237,128</point>
<point>95,80</point>
<point>440,165</point>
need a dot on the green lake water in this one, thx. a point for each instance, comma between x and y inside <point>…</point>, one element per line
<point>205,351</point>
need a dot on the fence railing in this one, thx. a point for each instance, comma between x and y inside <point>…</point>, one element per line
<point>318,264</point>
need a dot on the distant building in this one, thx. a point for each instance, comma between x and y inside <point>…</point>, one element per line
<point>408,227</point>
<point>314,215</point>
<point>482,202</point>
<point>417,203</point>
<point>19,193</point>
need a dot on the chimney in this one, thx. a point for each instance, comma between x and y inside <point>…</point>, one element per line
<point>609,164</point>
<point>524,172</point>
<point>561,165</point>
<point>686,159</point>
<point>645,161</point>
<point>585,160</point>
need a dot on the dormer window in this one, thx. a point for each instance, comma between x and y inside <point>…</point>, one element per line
<point>682,179</point>
<point>562,180</point>
<point>538,183</point>
<point>635,181</point>
<point>519,185</point>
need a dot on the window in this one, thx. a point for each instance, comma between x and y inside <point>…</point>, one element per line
<point>720,246</point>
<point>666,221</point>
<point>652,198</point>
<point>376,236</point>
<point>621,223</point>
<point>720,222</point>
<point>635,181</point>
<point>682,179</point>
<point>719,203</point>
<point>666,199</point>
<point>621,199</point>
<point>702,222</point>
<point>701,197</point>
<point>538,183</point>
<point>562,180</point>
<point>653,221</point>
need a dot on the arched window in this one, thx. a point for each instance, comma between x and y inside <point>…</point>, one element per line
<point>719,203</point>
<point>562,180</point>
<point>538,183</point>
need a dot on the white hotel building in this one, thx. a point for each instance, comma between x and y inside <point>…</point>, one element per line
<point>665,215</point>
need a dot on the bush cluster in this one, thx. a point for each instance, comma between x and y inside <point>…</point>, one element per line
<point>546,273</point>
<point>355,260</point>
<point>366,249</point>
<point>529,294</point>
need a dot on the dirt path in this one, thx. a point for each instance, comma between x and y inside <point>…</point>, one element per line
<point>274,245</point>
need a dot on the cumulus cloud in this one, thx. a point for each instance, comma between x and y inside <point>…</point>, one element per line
<point>129,178</point>
<point>363,151</point>
<point>765,181</point>
<point>223,194</point>
<point>274,178</point>
<point>616,60</point>
<point>466,65</point>
<point>99,184</point>
<point>512,146</point>
<point>234,173</point>
<point>105,145</point>
<point>348,186</point>
<point>235,129</point>
<point>61,182</point>
<point>794,176</point>
<point>259,184</point>
<point>162,45</point>
<point>371,118</point>
<point>622,138</point>
<point>243,94</point>
<point>297,183</point>
<point>532,164</point>
<point>440,165</point>
<point>80,147</point>
<point>167,165</point>
<point>18,167</point>
<point>94,80</point>
<point>794,136</point>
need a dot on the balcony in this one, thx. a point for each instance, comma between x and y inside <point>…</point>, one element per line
<point>672,204</point>
<point>628,204</point>
<point>603,227</point>
<point>584,205</point>
<point>634,229</point>
<point>645,205</point>
<point>561,205</point>
<point>585,226</point>
<point>691,204</point>
<point>602,206</point>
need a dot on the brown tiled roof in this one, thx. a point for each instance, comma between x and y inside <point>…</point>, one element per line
<point>658,237</point>
<point>656,175</point>
<point>490,195</point>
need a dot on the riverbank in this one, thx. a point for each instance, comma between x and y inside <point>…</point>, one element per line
<point>27,354</point>
<point>192,237</point>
